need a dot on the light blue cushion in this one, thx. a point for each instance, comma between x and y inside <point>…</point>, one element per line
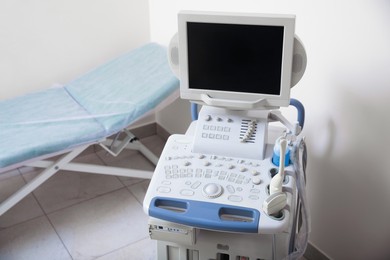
<point>122,90</point>
<point>42,123</point>
<point>96,105</point>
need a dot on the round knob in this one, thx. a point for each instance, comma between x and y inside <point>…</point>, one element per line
<point>254,172</point>
<point>243,169</point>
<point>212,190</point>
<point>201,156</point>
<point>256,180</point>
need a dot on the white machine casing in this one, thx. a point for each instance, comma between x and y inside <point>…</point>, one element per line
<point>237,181</point>
<point>209,197</point>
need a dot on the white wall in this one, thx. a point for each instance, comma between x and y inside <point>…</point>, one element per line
<point>43,42</point>
<point>346,91</point>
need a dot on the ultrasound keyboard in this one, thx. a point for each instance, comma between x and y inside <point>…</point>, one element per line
<point>215,192</point>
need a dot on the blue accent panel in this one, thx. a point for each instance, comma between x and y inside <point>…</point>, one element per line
<point>194,111</point>
<point>276,158</point>
<point>205,215</point>
<point>301,111</point>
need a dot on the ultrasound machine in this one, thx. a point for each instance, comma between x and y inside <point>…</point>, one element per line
<point>233,186</point>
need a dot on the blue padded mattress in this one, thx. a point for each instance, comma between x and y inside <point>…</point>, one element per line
<point>96,105</point>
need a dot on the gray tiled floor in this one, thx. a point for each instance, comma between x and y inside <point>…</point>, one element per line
<point>79,215</point>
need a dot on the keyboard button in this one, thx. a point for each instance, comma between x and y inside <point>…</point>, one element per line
<point>235,198</point>
<point>187,193</point>
<point>163,189</point>
<point>196,184</point>
<point>230,188</point>
<point>256,180</point>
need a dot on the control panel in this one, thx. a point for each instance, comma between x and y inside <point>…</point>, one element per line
<point>232,133</point>
<point>215,192</point>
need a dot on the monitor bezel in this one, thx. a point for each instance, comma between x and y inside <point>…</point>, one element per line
<point>237,100</point>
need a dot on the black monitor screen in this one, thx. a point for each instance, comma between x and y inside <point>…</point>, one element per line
<point>235,57</point>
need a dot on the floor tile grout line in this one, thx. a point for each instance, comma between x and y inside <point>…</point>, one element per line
<point>124,188</point>
<point>22,222</point>
<point>86,200</point>
<point>55,211</point>
<point>48,218</point>
<point>128,188</point>
<point>122,247</point>
<point>59,237</point>
<point>95,151</point>
<point>36,200</point>
<point>68,206</point>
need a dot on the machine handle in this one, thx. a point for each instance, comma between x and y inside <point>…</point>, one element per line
<point>206,215</point>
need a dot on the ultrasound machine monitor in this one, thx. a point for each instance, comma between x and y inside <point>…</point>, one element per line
<point>236,61</point>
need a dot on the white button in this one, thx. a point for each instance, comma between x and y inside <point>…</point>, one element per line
<point>186,163</point>
<point>235,198</point>
<point>207,118</point>
<point>166,182</point>
<point>230,188</point>
<point>206,163</point>
<point>187,192</point>
<point>254,172</point>
<point>196,185</point>
<point>230,120</point>
<point>254,197</point>
<point>256,180</point>
<point>230,166</point>
<point>243,169</point>
<point>163,189</point>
